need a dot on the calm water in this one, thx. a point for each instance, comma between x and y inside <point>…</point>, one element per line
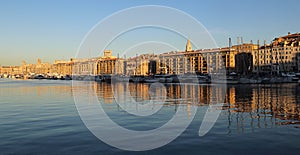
<point>40,117</point>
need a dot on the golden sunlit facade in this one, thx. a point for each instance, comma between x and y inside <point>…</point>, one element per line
<point>281,56</point>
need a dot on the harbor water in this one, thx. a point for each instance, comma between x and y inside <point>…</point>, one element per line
<point>40,117</point>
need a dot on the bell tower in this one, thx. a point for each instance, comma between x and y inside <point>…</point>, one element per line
<point>188,47</point>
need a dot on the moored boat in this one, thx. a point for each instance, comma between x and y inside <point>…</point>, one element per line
<point>107,78</point>
<point>165,78</point>
<point>151,80</point>
<point>40,76</point>
<point>228,80</point>
<point>136,79</point>
<point>120,78</point>
<point>98,78</point>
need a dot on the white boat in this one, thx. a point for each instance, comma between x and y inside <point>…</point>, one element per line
<point>151,80</point>
<point>276,80</point>
<point>287,80</point>
<point>291,74</point>
<point>40,76</point>
<point>165,78</point>
<point>121,78</point>
<point>232,81</point>
<point>188,78</point>
<point>161,80</point>
<point>228,80</point>
<point>266,80</point>
<point>169,80</point>
<point>88,78</point>
<point>136,79</point>
<point>244,80</point>
<point>255,81</point>
<point>295,78</point>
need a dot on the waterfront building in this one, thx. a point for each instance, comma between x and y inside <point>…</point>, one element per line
<point>200,61</point>
<point>39,68</point>
<point>10,70</point>
<point>142,65</point>
<point>24,69</point>
<point>280,56</point>
<point>242,58</point>
<point>109,64</point>
<point>84,67</point>
<point>106,65</point>
<point>61,67</point>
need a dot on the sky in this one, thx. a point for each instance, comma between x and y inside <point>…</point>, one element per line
<point>54,29</point>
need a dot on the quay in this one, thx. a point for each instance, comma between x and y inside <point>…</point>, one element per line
<point>187,78</point>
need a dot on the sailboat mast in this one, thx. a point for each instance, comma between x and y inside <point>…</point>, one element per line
<point>258,59</point>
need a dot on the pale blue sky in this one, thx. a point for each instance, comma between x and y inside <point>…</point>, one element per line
<point>53,29</point>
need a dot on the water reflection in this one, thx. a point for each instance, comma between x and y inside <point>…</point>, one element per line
<point>264,106</point>
<point>39,88</point>
<point>196,94</point>
<point>246,106</point>
<point>40,115</point>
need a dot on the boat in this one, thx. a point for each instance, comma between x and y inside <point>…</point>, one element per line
<point>151,80</point>
<point>203,79</point>
<point>98,78</point>
<point>294,79</point>
<point>61,77</point>
<point>68,77</point>
<point>165,78</point>
<point>255,80</point>
<point>287,80</point>
<point>136,79</point>
<point>291,74</point>
<point>266,80</point>
<point>175,79</point>
<point>169,80</point>
<point>162,80</point>
<point>120,78</point>
<point>107,78</point>
<point>277,80</point>
<point>88,78</point>
<point>243,80</point>
<point>188,78</point>
<point>40,76</point>
<point>231,80</point>
<point>228,80</point>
